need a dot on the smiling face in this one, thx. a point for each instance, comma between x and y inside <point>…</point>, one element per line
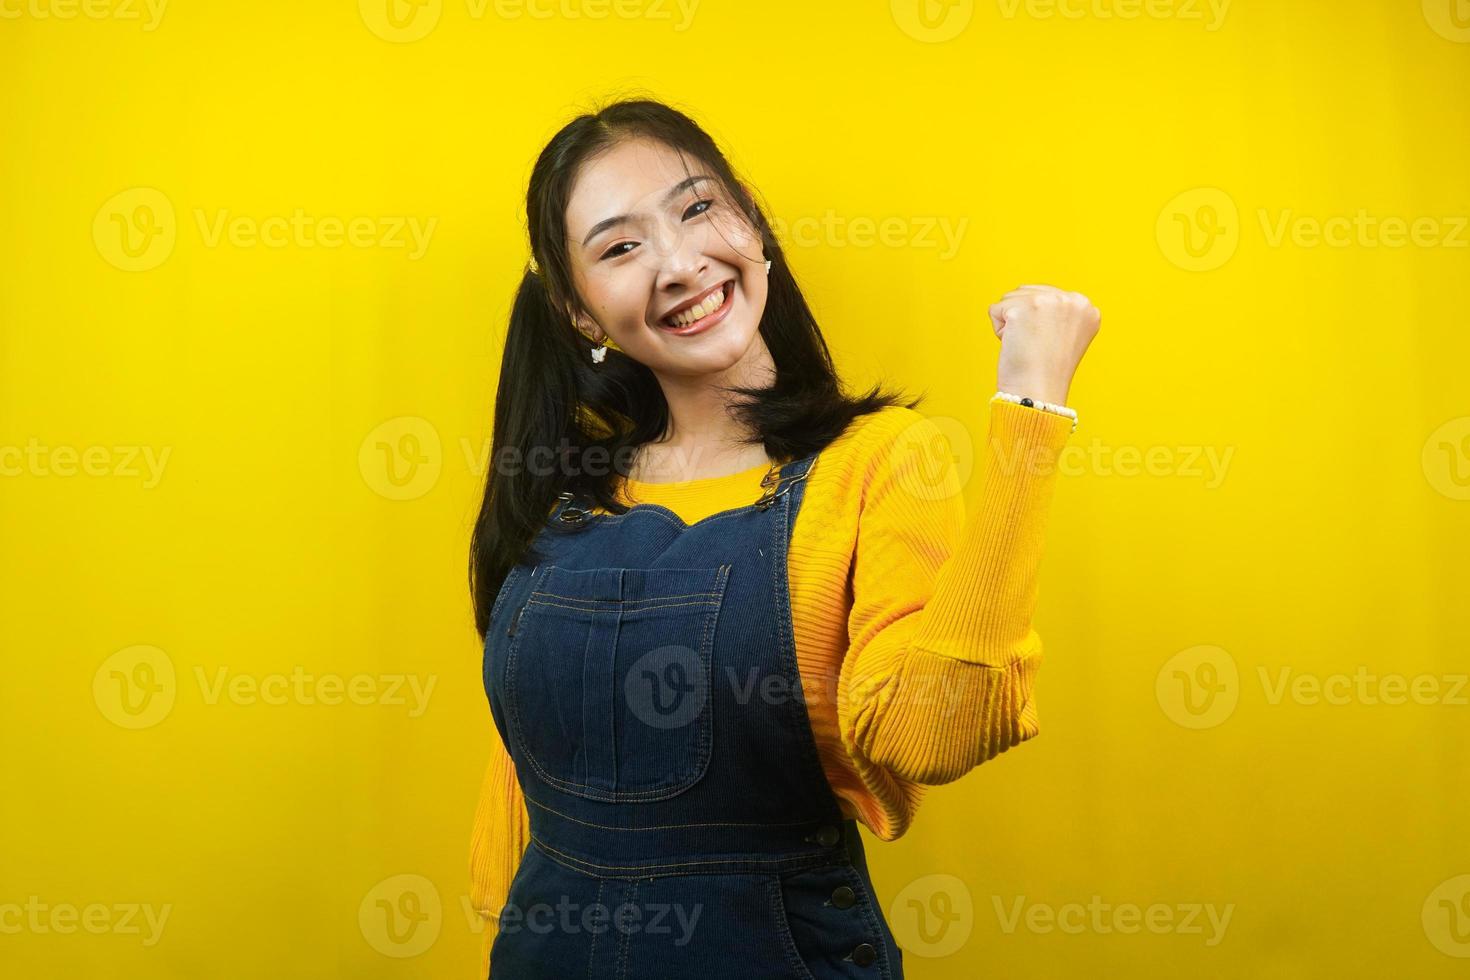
<point>665,262</point>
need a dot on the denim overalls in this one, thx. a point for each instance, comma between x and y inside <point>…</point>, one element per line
<point>643,677</point>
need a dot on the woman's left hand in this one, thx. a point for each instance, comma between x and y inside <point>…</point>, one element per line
<point>1043,331</point>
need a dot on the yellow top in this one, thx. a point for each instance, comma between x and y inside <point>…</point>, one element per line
<point>912,625</point>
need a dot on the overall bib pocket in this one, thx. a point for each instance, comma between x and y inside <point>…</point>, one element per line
<point>608,679</point>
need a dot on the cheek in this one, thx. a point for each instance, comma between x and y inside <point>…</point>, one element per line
<point>754,291</point>
<point>603,297</point>
<point>735,231</point>
<point>621,311</point>
<point>745,238</point>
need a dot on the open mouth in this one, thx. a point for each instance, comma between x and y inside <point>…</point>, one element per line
<point>703,313</point>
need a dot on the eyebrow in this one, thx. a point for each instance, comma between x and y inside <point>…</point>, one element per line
<point>618,219</point>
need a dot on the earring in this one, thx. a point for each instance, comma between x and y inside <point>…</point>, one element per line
<point>599,352</point>
<point>768,266</point>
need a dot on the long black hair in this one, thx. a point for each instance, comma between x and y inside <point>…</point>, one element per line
<point>565,423</point>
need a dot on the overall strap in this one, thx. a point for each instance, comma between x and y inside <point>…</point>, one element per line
<point>780,478</point>
<point>567,511</point>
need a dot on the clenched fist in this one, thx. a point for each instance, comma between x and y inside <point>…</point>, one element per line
<point>1043,331</point>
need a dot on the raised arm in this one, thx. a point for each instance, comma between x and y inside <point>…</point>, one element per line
<point>940,671</point>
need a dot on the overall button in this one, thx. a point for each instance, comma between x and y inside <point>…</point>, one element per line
<point>828,835</point>
<point>864,954</point>
<point>843,897</point>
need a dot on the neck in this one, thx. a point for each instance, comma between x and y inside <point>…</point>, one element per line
<point>703,438</point>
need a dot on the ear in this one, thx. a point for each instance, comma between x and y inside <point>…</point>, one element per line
<point>578,318</point>
<point>587,328</point>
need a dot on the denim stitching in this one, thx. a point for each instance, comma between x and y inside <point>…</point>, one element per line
<point>623,954</point>
<point>592,952</point>
<point>814,858</point>
<point>504,591</point>
<point>784,937</point>
<point>669,605</point>
<point>672,826</point>
<point>624,603</point>
<point>866,901</point>
<point>704,745</point>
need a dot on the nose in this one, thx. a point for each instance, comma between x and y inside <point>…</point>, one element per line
<point>680,257</point>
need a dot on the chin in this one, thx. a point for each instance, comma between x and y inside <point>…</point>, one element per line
<point>695,366</point>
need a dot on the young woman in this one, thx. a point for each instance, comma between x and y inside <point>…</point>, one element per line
<point>729,610</point>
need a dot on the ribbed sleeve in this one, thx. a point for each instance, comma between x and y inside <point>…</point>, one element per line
<point>940,671</point>
<point>501,832</point>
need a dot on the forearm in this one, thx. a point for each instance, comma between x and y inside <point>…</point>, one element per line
<point>959,690</point>
<point>986,592</point>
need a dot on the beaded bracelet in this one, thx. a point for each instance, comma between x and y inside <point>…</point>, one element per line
<point>1006,396</point>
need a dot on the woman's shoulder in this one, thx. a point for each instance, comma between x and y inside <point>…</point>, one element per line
<point>881,444</point>
<point>882,425</point>
<point>873,438</point>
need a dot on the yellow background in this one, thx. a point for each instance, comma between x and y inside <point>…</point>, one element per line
<point>325,411</point>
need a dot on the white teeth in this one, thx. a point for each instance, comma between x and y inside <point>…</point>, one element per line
<point>713,302</point>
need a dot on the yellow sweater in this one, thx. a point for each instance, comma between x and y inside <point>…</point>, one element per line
<point>912,625</point>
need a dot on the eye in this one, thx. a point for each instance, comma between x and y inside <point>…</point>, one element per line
<point>613,252</point>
